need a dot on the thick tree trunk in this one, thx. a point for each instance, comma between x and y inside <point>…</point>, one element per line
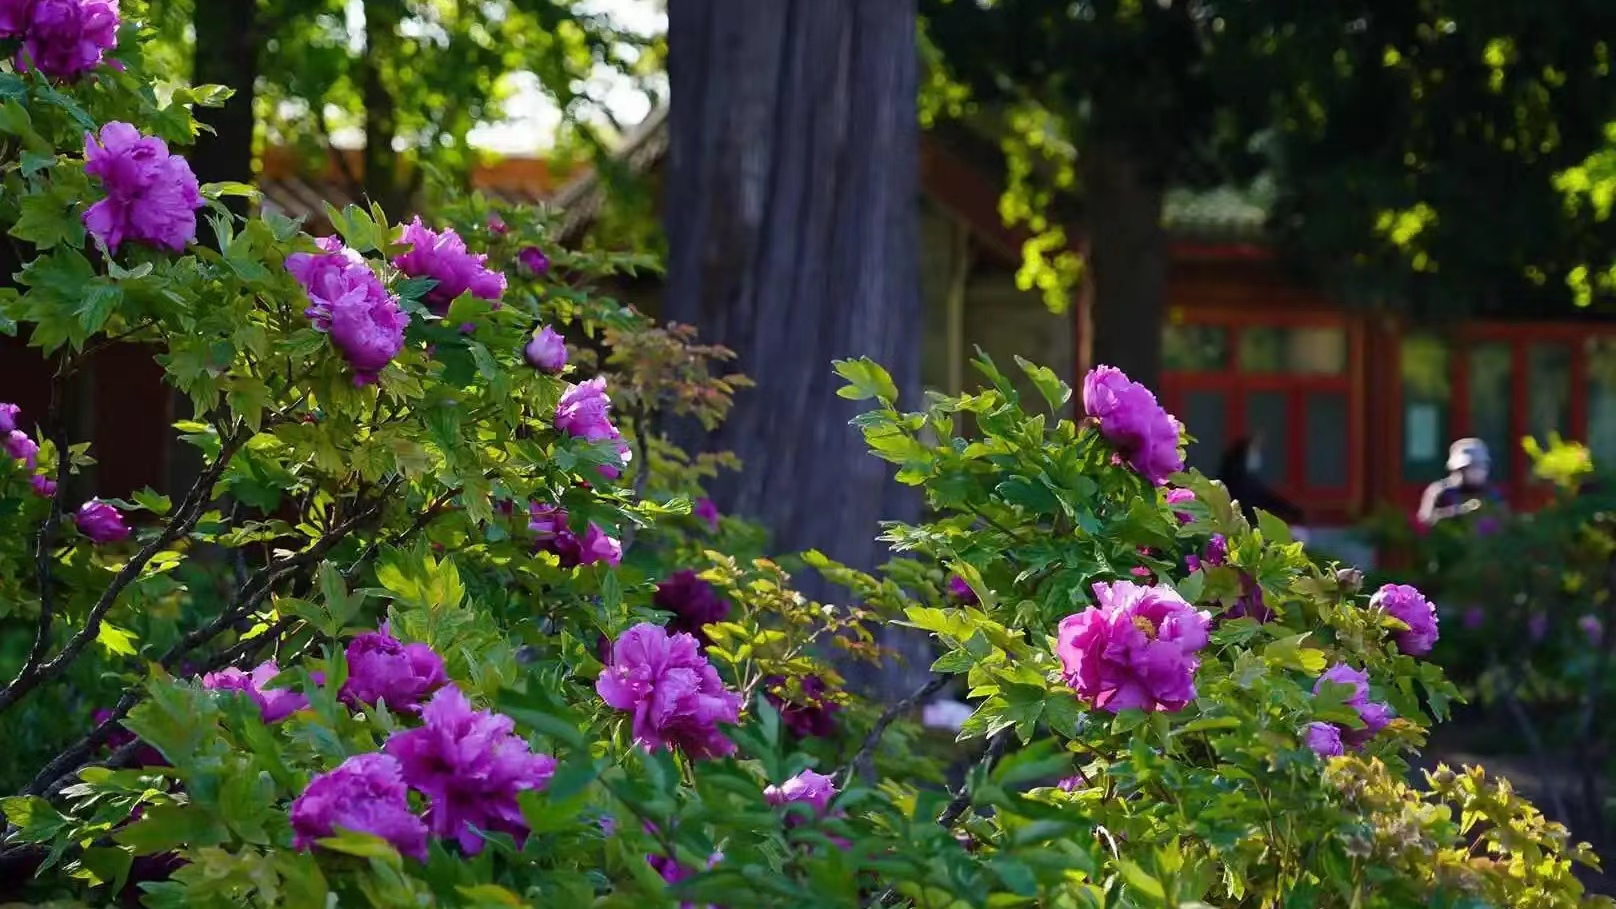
<point>791,215</point>
<point>1128,260</point>
<point>382,181</point>
<point>227,39</point>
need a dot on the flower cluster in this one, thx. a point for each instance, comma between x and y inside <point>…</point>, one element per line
<point>547,352</point>
<point>1145,435</point>
<point>17,444</point>
<point>274,704</point>
<point>674,694</point>
<point>1135,650</point>
<point>348,302</point>
<point>1407,605</point>
<point>584,412</point>
<point>102,523</point>
<point>812,714</point>
<point>381,669</point>
<point>1329,739</point>
<point>551,533</point>
<point>365,793</point>
<point>152,196</point>
<point>443,257</point>
<point>63,39</point>
<point>470,765</point>
<point>693,602</point>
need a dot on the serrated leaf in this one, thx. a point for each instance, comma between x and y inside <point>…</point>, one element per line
<point>867,380</point>
<point>115,640</point>
<point>1056,392</point>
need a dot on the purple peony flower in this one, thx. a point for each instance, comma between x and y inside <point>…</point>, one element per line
<point>552,534</point>
<point>1324,739</point>
<point>144,755</point>
<point>961,591</point>
<point>152,196</point>
<point>533,260</point>
<point>1374,715</point>
<point>547,352</point>
<point>101,522</point>
<point>1180,497</point>
<point>10,418</point>
<point>444,258</point>
<point>366,794</point>
<point>1216,553</point>
<point>584,412</point>
<point>1145,435</point>
<point>22,448</point>
<point>497,226</point>
<point>1073,783</point>
<point>64,39</point>
<point>693,602</point>
<point>707,512</point>
<point>673,872</point>
<point>1409,606</point>
<point>1592,629</point>
<point>14,17</point>
<point>44,486</point>
<point>1136,650</point>
<point>674,694</point>
<point>812,715</point>
<point>381,668</point>
<point>807,787</point>
<point>348,302</point>
<point>470,765</point>
<point>274,704</point>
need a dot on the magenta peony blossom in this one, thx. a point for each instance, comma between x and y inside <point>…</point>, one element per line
<point>807,787</point>
<point>381,668</point>
<point>1216,553</point>
<point>1145,435</point>
<point>674,694</point>
<point>547,352</point>
<point>1374,715</point>
<point>813,714</point>
<point>443,257</point>
<point>584,412</point>
<point>693,602</point>
<point>1180,497</point>
<point>1136,650</point>
<point>961,591</point>
<point>14,17</point>
<point>274,704</point>
<point>1324,739</point>
<point>10,417</point>
<point>673,872</point>
<point>64,39</point>
<point>101,522</point>
<point>533,260</point>
<point>44,486</point>
<point>1409,606</point>
<point>366,794</point>
<point>470,765</point>
<point>706,512</point>
<point>152,196</point>
<point>1073,783</point>
<point>144,755</point>
<point>552,534</point>
<point>497,226</point>
<point>22,448</point>
<point>348,302</point>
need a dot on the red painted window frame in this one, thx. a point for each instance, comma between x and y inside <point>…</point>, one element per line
<point>1321,505</point>
<point>1519,490</point>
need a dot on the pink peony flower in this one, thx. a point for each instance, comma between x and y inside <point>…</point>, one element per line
<point>44,486</point>
<point>807,787</point>
<point>1375,716</point>
<point>470,765</point>
<point>1135,650</point>
<point>547,352</point>
<point>813,715</point>
<point>348,301</point>
<point>674,694</point>
<point>381,668</point>
<point>1324,739</point>
<point>152,196</point>
<point>366,794</point>
<point>10,417</point>
<point>1409,606</point>
<point>707,512</point>
<point>497,226</point>
<point>1180,497</point>
<point>693,602</point>
<point>552,534</point>
<point>64,39</point>
<point>533,260</point>
<point>101,522</point>
<point>1073,783</point>
<point>274,704</point>
<point>584,413</point>
<point>1145,435</point>
<point>22,448</point>
<point>444,258</point>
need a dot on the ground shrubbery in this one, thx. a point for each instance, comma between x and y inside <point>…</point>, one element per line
<point>444,621</point>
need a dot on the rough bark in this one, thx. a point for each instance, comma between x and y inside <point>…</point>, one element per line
<point>791,214</point>
<point>1128,260</point>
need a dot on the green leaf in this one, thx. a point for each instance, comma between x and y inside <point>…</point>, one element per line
<point>363,845</point>
<point>97,305</point>
<point>115,639</point>
<point>867,380</point>
<point>1056,392</point>
<point>46,220</point>
<point>152,501</point>
<point>1141,883</point>
<point>1273,529</point>
<point>229,189</point>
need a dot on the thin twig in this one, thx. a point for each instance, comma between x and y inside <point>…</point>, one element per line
<point>866,754</point>
<point>47,534</point>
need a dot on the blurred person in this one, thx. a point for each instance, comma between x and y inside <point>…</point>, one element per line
<point>1465,489</point>
<point>1239,470</point>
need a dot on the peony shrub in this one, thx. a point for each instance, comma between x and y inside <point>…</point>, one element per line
<point>444,618</point>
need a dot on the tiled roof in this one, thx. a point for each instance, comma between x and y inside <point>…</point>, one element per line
<point>1226,213</point>
<point>297,197</point>
<point>580,200</point>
